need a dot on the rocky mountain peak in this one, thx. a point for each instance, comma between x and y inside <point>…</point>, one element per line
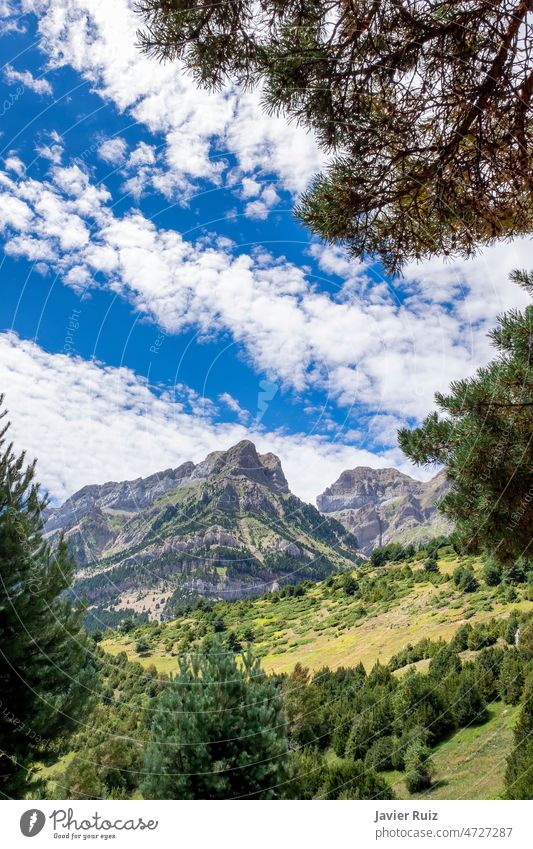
<point>243,461</point>
<point>227,527</point>
<point>357,487</point>
<point>385,505</point>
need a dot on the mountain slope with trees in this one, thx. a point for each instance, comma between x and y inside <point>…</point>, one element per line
<point>227,527</point>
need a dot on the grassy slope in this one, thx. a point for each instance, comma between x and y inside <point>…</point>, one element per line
<point>471,763</point>
<point>327,627</point>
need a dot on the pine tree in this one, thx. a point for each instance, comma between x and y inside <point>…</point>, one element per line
<point>424,106</point>
<point>484,441</point>
<point>218,732</point>
<point>519,773</point>
<point>468,704</point>
<point>46,674</point>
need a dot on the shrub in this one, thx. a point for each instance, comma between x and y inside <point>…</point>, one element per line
<point>351,780</point>
<point>418,767</point>
<point>350,585</point>
<point>431,565</point>
<point>492,573</point>
<point>379,756</point>
<point>464,579</point>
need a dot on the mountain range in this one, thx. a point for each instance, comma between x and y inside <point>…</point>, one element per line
<point>229,527</point>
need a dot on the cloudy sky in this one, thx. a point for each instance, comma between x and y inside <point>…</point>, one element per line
<point>158,300</point>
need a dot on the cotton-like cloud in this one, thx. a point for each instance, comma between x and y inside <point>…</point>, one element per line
<point>25,78</point>
<point>385,346</point>
<point>113,151</point>
<point>89,423</point>
<point>98,39</point>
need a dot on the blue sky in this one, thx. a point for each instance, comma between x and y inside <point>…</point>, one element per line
<point>158,298</point>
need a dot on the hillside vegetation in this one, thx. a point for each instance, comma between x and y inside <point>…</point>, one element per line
<point>364,616</point>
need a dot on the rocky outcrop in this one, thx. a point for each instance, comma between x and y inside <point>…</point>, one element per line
<point>127,496</point>
<point>384,505</point>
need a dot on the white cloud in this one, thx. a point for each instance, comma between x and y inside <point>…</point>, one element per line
<point>26,78</point>
<point>97,423</point>
<point>386,346</point>
<point>113,151</point>
<point>98,39</point>
<point>13,163</point>
<point>52,149</point>
<point>249,188</point>
<point>232,404</point>
<point>260,208</point>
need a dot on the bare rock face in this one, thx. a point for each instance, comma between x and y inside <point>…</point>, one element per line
<point>243,461</point>
<point>127,496</point>
<point>384,505</point>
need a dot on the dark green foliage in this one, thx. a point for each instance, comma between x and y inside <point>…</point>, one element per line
<point>433,546</point>
<point>248,635</point>
<point>481,636</point>
<point>394,552</point>
<point>379,756</point>
<point>492,573</point>
<point>312,777</point>
<point>404,742</point>
<point>525,640</point>
<point>511,630</point>
<point>445,662</point>
<point>418,167</point>
<point>487,672</point>
<point>303,705</point>
<point>511,677</point>
<point>307,770</point>
<point>46,674</point>
<point>353,780</point>
<point>232,642</point>
<point>411,654</point>
<point>419,701</point>
<point>464,579</point>
<point>418,767</point>
<point>468,704</point>
<point>142,646</point>
<point>431,565</point>
<point>110,770</point>
<point>515,573</point>
<point>351,587</point>
<point>460,640</point>
<point>218,732</point>
<point>81,780</point>
<point>519,773</point>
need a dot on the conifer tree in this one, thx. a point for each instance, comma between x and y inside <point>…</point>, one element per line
<point>485,442</point>
<point>218,731</point>
<point>46,674</point>
<point>424,108</point>
<point>519,773</point>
